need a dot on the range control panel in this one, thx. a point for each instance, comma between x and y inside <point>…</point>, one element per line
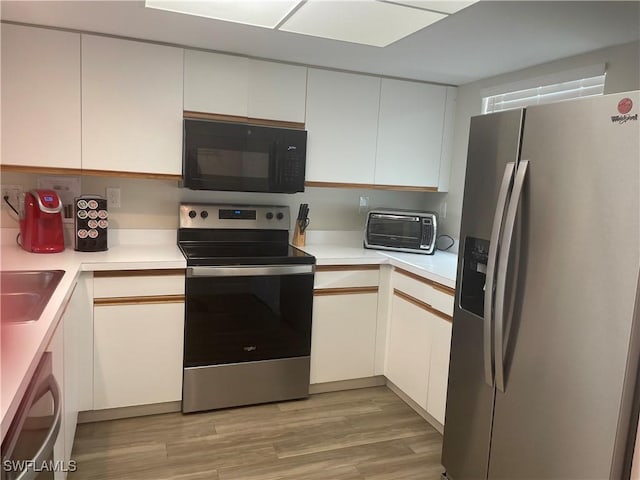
<point>265,217</point>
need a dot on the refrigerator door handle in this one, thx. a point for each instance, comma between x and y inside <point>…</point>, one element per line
<point>501,280</point>
<point>491,269</point>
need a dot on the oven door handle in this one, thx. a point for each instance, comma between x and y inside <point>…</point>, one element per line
<point>249,271</point>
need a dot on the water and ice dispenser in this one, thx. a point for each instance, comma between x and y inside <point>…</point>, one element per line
<point>474,272</point>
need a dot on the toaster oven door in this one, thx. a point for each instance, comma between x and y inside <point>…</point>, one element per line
<point>396,231</point>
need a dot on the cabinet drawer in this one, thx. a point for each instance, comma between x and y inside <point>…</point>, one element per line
<point>345,276</point>
<point>431,293</point>
<point>138,283</point>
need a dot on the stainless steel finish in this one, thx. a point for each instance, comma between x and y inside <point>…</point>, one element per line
<point>212,221</point>
<point>396,217</point>
<point>487,347</point>
<point>501,282</point>
<point>42,383</point>
<point>407,215</point>
<point>26,293</point>
<point>249,270</point>
<point>46,450</point>
<point>575,295</point>
<point>221,386</point>
<point>494,141</point>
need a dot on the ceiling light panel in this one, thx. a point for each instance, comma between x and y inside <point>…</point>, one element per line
<point>451,6</point>
<point>259,13</point>
<point>365,22</point>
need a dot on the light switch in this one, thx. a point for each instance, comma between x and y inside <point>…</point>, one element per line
<point>113,197</point>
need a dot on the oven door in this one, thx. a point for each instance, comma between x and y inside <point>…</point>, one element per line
<point>396,231</point>
<point>247,313</point>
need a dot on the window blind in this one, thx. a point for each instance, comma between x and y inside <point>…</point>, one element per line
<point>584,87</point>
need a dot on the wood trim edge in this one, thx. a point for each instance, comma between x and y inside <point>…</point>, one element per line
<point>138,273</point>
<point>346,268</point>
<point>320,292</point>
<point>371,186</point>
<point>150,300</point>
<point>48,170</point>
<point>221,117</point>
<point>89,172</point>
<point>426,281</point>
<point>422,305</point>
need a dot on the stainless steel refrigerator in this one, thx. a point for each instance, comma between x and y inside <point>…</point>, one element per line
<point>545,349</point>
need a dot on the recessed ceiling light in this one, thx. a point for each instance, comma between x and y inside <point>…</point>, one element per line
<point>370,22</point>
<point>259,13</point>
<point>451,6</point>
<point>366,22</point>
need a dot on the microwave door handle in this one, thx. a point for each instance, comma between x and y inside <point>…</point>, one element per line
<point>491,269</point>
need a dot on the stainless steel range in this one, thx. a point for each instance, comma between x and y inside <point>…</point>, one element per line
<point>248,307</point>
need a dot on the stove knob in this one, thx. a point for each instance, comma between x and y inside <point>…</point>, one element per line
<point>269,215</point>
<point>279,216</point>
<point>204,214</point>
<point>192,213</point>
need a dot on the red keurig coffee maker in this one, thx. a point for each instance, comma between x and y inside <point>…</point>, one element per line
<point>41,222</point>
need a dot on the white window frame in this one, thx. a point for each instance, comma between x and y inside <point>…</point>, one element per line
<point>567,85</point>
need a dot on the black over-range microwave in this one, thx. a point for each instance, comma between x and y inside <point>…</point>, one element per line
<point>243,158</point>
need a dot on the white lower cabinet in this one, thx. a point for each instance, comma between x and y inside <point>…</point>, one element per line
<point>344,331</point>
<point>137,354</point>
<point>409,352</point>
<point>138,336</point>
<point>343,337</point>
<point>439,367</point>
<point>419,341</point>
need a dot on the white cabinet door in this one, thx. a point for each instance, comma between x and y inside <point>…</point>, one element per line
<point>277,91</point>
<point>343,337</point>
<point>137,354</point>
<point>410,131</point>
<point>342,121</point>
<point>447,139</point>
<point>40,97</point>
<point>77,323</point>
<point>131,106</point>
<point>439,367</point>
<point>216,83</point>
<point>409,350</point>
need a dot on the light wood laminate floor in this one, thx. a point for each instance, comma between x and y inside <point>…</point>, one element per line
<point>366,434</point>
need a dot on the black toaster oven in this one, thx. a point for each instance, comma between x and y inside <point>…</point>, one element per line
<point>401,230</point>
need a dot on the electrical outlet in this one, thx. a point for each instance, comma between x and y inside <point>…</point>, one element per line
<point>113,197</point>
<point>14,192</point>
<point>364,204</point>
<point>443,210</point>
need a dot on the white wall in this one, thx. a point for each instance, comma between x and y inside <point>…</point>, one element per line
<point>154,203</point>
<point>623,74</point>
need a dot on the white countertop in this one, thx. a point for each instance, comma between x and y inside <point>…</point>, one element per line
<point>23,344</point>
<point>440,267</point>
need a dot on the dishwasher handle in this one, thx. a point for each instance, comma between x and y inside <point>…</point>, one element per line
<point>249,271</point>
<point>45,451</point>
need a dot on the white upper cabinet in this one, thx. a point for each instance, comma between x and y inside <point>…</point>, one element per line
<point>342,122</point>
<point>216,83</point>
<point>40,97</point>
<point>131,106</point>
<point>410,130</point>
<point>447,139</point>
<point>277,91</point>
<point>238,86</point>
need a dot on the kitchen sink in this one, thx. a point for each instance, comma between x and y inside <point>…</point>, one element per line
<point>25,294</point>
